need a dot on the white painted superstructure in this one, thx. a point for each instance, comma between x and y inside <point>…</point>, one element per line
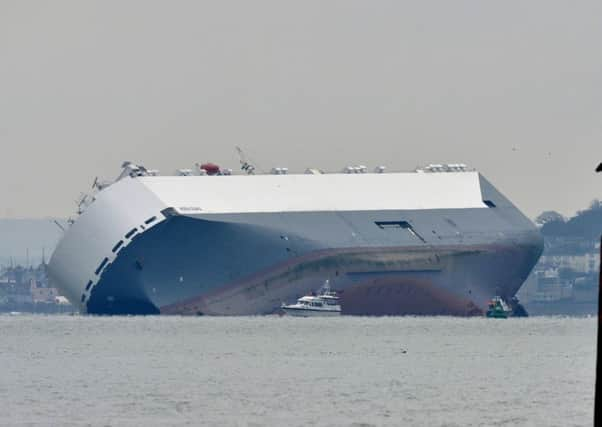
<point>316,193</point>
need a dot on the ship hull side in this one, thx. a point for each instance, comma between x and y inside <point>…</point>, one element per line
<point>195,266</point>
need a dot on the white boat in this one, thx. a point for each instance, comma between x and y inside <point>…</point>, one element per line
<point>325,303</point>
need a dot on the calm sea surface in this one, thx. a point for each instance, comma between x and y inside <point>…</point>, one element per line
<point>350,371</point>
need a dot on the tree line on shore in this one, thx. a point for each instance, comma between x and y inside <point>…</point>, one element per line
<point>586,224</point>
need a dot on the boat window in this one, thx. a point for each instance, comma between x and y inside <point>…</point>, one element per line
<point>117,246</point>
<point>101,266</point>
<point>88,285</point>
<point>403,225</point>
<point>131,233</point>
<point>392,224</point>
<point>151,219</point>
<point>489,203</point>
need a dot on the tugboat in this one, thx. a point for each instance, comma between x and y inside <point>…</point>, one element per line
<point>498,309</point>
<point>325,303</point>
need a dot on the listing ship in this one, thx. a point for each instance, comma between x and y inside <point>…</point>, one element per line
<point>440,240</point>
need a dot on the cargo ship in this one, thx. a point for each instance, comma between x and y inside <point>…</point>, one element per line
<point>438,240</point>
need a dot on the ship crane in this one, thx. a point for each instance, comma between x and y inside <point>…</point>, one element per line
<point>244,163</point>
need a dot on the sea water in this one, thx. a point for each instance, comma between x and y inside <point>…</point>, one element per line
<point>275,371</point>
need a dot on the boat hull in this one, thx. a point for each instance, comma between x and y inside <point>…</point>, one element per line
<point>296,312</point>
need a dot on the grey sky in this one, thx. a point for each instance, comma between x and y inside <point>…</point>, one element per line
<point>513,88</point>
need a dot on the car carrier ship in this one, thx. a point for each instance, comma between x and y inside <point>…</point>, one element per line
<point>439,240</point>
